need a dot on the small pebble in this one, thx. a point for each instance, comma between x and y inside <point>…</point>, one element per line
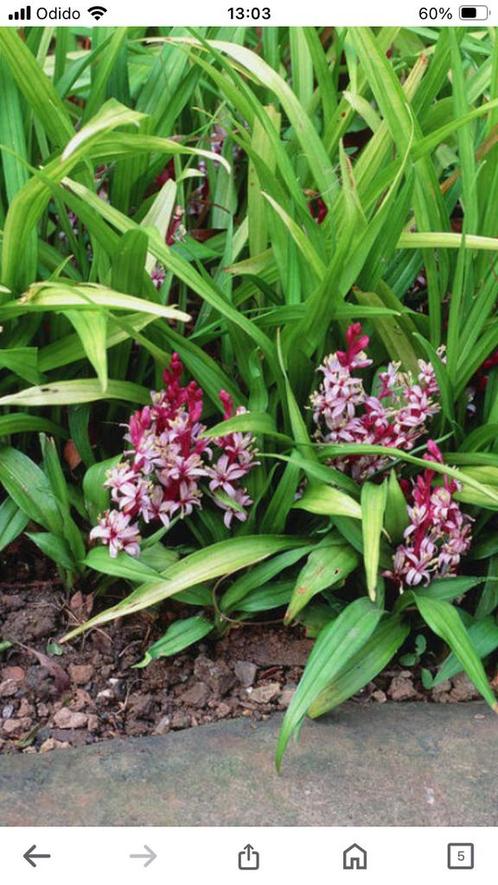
<point>81,674</point>
<point>265,693</point>
<point>245,672</point>
<point>66,718</point>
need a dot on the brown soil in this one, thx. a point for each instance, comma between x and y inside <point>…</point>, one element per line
<point>56,697</point>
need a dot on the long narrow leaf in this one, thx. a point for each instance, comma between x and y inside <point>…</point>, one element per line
<point>219,560</point>
<point>444,620</point>
<point>373,505</point>
<point>335,646</point>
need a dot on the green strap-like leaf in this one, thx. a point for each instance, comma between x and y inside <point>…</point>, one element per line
<point>121,566</point>
<point>396,517</point>
<point>338,451</point>
<point>91,326</point>
<point>324,500</point>
<point>373,505</point>
<point>325,567</point>
<point>13,521</point>
<point>336,644</point>
<point>28,486</point>
<point>259,423</point>
<point>363,666</point>
<point>179,636</point>
<point>83,390</point>
<point>36,87</point>
<point>446,623</point>
<point>218,560</point>
<point>484,638</point>
<point>22,422</point>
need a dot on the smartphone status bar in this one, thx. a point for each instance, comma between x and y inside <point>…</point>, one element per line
<point>245,13</point>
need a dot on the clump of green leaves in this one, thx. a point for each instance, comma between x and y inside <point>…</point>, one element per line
<point>241,202</point>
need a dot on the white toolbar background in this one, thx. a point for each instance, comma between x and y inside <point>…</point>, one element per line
<point>283,12</point>
<point>288,856</point>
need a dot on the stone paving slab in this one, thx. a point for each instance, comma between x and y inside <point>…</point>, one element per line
<point>395,764</point>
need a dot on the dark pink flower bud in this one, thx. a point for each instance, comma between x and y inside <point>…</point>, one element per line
<point>174,372</point>
<point>434,453</point>
<point>227,403</point>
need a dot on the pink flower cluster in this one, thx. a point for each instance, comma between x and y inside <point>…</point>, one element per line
<point>166,462</point>
<point>345,413</point>
<point>438,534</point>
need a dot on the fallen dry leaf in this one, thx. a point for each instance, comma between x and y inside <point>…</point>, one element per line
<point>71,455</point>
<point>60,677</point>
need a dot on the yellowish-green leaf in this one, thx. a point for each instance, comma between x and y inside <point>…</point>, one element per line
<point>373,505</point>
<point>218,560</point>
<point>83,390</point>
<point>490,495</point>
<point>259,423</point>
<point>442,240</point>
<point>121,566</point>
<point>111,115</point>
<point>396,517</point>
<point>486,474</point>
<point>86,296</point>
<point>159,215</point>
<point>364,109</point>
<point>325,567</point>
<point>324,500</point>
<point>91,326</point>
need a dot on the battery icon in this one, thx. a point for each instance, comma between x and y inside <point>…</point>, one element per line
<point>474,13</point>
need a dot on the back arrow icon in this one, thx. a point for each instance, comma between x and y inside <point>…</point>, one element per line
<point>149,857</point>
<point>30,857</point>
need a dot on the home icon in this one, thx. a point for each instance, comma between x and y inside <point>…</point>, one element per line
<point>354,858</point>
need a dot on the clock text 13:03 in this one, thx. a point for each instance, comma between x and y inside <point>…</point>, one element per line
<point>255,13</point>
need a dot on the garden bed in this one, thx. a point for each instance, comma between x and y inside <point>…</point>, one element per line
<point>54,697</point>
<point>249,376</point>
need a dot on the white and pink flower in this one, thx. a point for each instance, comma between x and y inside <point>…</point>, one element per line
<point>167,461</point>
<point>439,533</point>
<point>240,500</point>
<point>116,530</point>
<point>345,413</point>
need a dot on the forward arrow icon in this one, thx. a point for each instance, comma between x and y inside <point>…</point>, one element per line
<point>148,858</point>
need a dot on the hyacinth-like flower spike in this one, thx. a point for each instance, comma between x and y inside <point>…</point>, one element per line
<point>438,535</point>
<point>237,460</point>
<point>161,475</point>
<point>344,412</point>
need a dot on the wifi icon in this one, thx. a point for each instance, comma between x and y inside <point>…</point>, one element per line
<point>97,12</point>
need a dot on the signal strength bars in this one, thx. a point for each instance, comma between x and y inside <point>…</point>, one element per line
<point>23,15</point>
